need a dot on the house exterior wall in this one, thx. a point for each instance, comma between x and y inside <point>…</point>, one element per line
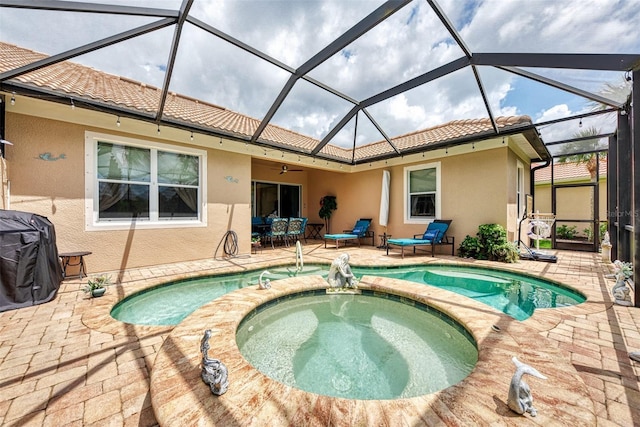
<point>477,186</point>
<point>55,189</point>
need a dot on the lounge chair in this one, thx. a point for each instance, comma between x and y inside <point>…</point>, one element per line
<point>434,235</point>
<point>361,229</point>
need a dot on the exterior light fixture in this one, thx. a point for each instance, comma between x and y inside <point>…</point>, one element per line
<point>191,136</point>
<point>220,141</point>
<point>13,98</point>
<point>118,121</point>
<point>580,124</point>
<point>73,106</point>
<point>158,128</point>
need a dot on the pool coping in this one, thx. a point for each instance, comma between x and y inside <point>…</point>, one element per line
<point>179,397</point>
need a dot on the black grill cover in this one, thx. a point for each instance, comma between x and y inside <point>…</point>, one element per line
<point>30,271</point>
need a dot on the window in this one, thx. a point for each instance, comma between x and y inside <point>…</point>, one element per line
<point>155,185</point>
<point>422,193</point>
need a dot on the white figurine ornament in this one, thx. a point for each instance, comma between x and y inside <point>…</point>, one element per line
<point>266,284</point>
<point>520,399</point>
<point>620,291</point>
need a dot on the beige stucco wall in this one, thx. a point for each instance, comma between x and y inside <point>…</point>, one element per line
<point>55,189</point>
<point>477,187</point>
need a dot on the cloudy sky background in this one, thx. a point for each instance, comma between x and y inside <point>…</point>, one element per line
<point>407,44</point>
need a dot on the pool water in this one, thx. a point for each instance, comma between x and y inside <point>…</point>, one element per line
<point>357,346</point>
<point>513,294</point>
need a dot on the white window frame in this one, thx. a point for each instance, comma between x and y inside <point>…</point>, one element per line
<point>407,198</point>
<point>92,221</point>
<point>520,195</point>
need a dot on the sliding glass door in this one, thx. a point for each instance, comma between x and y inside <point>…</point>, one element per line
<point>282,200</point>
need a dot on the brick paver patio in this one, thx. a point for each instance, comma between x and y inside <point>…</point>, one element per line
<point>68,363</point>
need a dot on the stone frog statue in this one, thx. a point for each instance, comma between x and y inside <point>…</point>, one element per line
<point>520,399</point>
<point>214,372</point>
<point>340,274</point>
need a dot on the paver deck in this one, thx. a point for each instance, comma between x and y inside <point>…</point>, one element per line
<point>67,362</point>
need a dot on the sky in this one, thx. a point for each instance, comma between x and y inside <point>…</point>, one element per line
<point>407,44</point>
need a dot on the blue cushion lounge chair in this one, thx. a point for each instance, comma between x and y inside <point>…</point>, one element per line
<point>435,234</point>
<point>361,229</point>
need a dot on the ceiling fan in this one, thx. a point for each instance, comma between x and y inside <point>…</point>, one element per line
<point>286,169</point>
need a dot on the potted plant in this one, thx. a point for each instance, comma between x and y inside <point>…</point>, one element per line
<point>96,286</point>
<point>328,204</point>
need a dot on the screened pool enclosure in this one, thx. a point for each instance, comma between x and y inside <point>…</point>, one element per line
<point>339,82</point>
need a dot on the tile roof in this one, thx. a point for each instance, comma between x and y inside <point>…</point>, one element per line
<point>568,172</point>
<point>81,82</point>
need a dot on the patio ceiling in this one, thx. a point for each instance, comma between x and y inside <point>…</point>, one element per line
<point>328,77</point>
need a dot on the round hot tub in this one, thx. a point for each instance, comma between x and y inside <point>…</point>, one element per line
<point>367,345</point>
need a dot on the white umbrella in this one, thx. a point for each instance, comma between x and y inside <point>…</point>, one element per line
<point>384,199</point>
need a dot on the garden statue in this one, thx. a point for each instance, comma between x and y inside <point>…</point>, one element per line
<point>606,247</point>
<point>620,290</point>
<point>520,399</point>
<point>214,372</point>
<point>266,284</point>
<point>340,275</point>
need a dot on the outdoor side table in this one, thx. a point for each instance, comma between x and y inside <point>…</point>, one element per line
<point>383,240</point>
<point>314,230</point>
<point>74,259</point>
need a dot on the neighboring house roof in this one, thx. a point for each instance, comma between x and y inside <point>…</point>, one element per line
<point>570,171</point>
<point>85,83</point>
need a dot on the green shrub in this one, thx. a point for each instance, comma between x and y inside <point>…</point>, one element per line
<point>565,232</point>
<point>491,243</point>
<point>604,227</point>
<point>506,252</point>
<point>469,248</point>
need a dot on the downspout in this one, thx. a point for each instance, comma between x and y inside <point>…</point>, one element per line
<point>532,181</point>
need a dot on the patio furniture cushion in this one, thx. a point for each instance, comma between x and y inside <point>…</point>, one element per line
<point>409,242</point>
<point>341,236</point>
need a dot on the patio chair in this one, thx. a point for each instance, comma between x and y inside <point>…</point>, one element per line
<point>434,235</point>
<point>359,230</point>
<point>295,228</point>
<point>278,230</point>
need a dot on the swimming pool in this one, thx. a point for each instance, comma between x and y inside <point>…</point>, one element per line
<point>514,294</point>
<point>369,345</point>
